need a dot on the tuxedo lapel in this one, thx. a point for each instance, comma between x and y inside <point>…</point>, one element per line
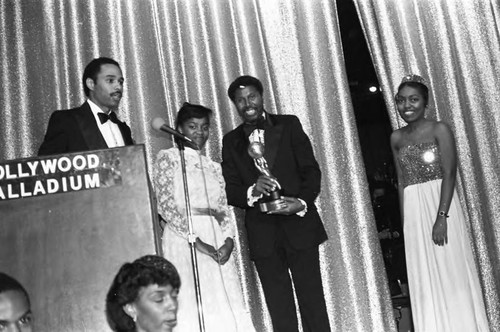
<point>272,138</point>
<point>241,146</point>
<point>127,138</point>
<point>89,129</point>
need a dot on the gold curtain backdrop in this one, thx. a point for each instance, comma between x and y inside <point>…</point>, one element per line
<point>455,45</point>
<point>190,50</point>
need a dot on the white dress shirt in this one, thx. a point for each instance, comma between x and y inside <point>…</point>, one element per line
<point>109,130</point>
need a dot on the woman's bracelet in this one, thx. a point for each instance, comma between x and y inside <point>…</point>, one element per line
<point>443,214</point>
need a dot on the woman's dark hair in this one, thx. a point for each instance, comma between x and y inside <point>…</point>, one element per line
<point>7,283</point>
<point>189,111</point>
<point>422,88</point>
<point>145,271</point>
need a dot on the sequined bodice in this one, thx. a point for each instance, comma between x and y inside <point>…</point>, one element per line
<point>420,163</point>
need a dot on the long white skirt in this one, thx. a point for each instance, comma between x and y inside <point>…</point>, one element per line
<point>444,286</point>
<point>221,293</point>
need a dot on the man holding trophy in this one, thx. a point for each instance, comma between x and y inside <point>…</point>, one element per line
<point>271,172</point>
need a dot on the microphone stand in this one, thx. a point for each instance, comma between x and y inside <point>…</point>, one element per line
<point>191,237</point>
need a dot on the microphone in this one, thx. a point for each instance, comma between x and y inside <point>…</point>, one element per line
<point>160,125</point>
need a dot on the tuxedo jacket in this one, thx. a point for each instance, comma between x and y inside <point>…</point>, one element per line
<point>291,160</point>
<point>76,130</point>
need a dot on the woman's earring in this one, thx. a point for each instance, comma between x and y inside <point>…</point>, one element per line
<point>129,310</point>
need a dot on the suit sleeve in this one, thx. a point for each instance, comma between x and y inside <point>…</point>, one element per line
<point>309,171</point>
<point>56,138</point>
<point>236,189</point>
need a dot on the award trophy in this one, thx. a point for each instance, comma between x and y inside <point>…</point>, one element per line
<point>271,202</point>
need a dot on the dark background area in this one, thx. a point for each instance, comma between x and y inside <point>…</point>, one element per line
<point>371,113</point>
<point>374,130</point>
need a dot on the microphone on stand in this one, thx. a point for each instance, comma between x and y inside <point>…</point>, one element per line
<point>160,125</point>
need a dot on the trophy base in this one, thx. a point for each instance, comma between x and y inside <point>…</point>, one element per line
<point>270,206</point>
<point>271,203</point>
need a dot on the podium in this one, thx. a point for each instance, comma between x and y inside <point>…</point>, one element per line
<point>67,224</point>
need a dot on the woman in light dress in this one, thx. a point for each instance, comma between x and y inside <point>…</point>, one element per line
<point>444,286</point>
<point>214,229</point>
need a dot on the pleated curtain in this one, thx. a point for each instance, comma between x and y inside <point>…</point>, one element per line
<point>173,51</point>
<point>455,45</point>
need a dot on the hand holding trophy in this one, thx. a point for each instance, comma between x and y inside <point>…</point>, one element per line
<point>272,200</point>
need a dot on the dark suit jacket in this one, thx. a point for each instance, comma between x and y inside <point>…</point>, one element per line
<point>76,130</point>
<point>290,157</point>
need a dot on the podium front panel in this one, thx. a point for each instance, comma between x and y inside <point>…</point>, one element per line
<point>66,247</point>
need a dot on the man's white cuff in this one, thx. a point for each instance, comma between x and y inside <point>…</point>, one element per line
<point>251,199</point>
<point>302,213</point>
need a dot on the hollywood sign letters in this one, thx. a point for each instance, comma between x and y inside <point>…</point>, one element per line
<point>58,174</point>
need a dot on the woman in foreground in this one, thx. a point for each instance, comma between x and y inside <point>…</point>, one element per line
<point>143,296</point>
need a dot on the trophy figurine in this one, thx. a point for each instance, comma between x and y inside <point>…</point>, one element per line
<point>273,201</point>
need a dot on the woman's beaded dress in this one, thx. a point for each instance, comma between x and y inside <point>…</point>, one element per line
<point>223,305</point>
<point>444,286</point>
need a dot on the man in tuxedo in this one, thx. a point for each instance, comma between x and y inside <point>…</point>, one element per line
<point>287,239</point>
<point>94,125</point>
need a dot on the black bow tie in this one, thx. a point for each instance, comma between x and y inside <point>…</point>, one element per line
<point>105,117</point>
<point>248,128</point>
